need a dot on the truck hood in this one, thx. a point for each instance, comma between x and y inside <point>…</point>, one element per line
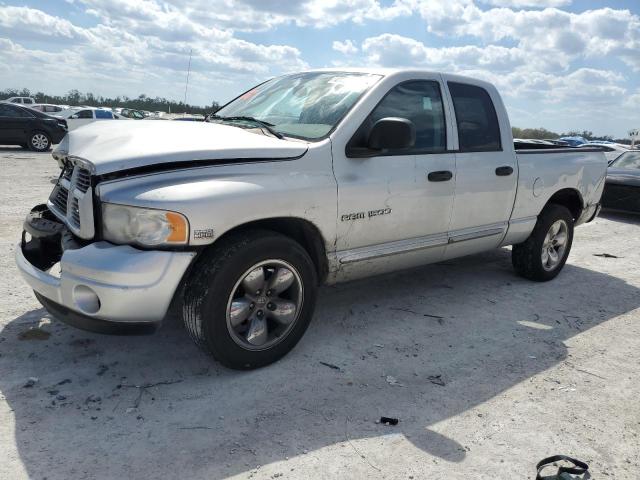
<point>113,146</point>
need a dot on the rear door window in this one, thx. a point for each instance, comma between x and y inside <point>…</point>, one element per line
<point>9,111</point>
<point>85,114</point>
<point>103,114</point>
<point>478,129</point>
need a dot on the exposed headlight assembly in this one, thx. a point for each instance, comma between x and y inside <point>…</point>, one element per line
<point>143,226</point>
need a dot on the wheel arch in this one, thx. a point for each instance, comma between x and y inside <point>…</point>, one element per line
<point>570,198</point>
<point>304,232</point>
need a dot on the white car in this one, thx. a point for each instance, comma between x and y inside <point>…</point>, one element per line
<point>611,150</point>
<point>48,108</point>
<point>22,100</point>
<point>78,117</point>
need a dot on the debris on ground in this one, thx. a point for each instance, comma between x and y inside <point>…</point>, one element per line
<point>391,380</point>
<point>388,421</point>
<point>143,389</point>
<point>605,255</point>
<point>65,381</point>
<point>330,365</point>
<point>436,380</point>
<point>102,369</point>
<point>34,334</point>
<point>31,381</point>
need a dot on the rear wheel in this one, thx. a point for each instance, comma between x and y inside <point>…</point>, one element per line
<point>39,142</point>
<point>250,299</point>
<point>543,255</point>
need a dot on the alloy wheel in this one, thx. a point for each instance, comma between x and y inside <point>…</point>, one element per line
<point>264,305</point>
<point>554,245</point>
<point>40,141</point>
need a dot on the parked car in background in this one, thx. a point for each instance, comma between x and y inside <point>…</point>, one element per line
<point>21,100</point>
<point>574,141</point>
<point>611,150</point>
<point>622,188</point>
<point>78,117</point>
<point>555,141</point>
<point>29,128</point>
<point>131,113</point>
<point>48,108</point>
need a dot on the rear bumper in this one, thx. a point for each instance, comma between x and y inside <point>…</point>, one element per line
<point>102,287</point>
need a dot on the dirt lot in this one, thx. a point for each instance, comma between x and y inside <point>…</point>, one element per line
<point>487,372</point>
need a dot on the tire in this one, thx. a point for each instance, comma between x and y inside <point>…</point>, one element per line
<point>39,142</point>
<point>227,276</point>
<point>528,258</point>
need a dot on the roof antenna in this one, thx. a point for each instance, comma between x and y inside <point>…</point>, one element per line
<point>186,86</point>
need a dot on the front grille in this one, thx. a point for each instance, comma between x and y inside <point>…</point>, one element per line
<point>60,199</point>
<point>83,179</point>
<point>71,199</point>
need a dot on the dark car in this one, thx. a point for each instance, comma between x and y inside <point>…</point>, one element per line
<point>29,128</point>
<point>622,189</point>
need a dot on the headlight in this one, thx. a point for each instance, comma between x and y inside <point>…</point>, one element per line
<point>143,226</point>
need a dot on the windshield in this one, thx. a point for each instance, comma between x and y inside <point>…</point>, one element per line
<point>305,105</point>
<point>628,160</point>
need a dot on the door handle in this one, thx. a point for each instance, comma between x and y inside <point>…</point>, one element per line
<point>504,171</point>
<point>440,176</point>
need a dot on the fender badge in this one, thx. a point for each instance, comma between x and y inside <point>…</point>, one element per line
<point>206,233</point>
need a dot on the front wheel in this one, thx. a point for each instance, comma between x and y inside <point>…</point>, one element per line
<point>542,256</point>
<point>250,299</point>
<point>39,142</point>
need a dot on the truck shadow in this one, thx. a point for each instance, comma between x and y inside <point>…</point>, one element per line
<point>422,346</point>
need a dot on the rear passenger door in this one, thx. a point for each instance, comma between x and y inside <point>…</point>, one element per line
<point>486,169</point>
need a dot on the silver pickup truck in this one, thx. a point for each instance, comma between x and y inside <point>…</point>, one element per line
<point>307,179</point>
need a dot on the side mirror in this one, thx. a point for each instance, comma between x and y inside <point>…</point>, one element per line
<point>392,133</point>
<point>74,116</point>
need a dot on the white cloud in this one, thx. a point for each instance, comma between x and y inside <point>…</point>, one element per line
<point>545,32</point>
<point>346,48</point>
<point>391,50</point>
<point>139,37</point>
<point>533,50</point>
<point>253,15</point>
<point>528,3</point>
<point>31,23</point>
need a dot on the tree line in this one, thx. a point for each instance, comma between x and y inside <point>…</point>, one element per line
<point>142,102</point>
<point>543,133</point>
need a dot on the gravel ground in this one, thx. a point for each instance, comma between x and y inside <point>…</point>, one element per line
<point>487,373</point>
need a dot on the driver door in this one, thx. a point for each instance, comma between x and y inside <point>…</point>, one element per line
<point>394,206</point>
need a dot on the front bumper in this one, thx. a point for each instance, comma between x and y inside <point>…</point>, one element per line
<point>589,213</point>
<point>102,286</point>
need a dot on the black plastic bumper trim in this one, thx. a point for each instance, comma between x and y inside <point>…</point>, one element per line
<point>95,325</point>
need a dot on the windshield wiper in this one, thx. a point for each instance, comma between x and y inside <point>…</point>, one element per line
<point>266,125</point>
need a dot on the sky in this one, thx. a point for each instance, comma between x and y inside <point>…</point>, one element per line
<point>559,64</point>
